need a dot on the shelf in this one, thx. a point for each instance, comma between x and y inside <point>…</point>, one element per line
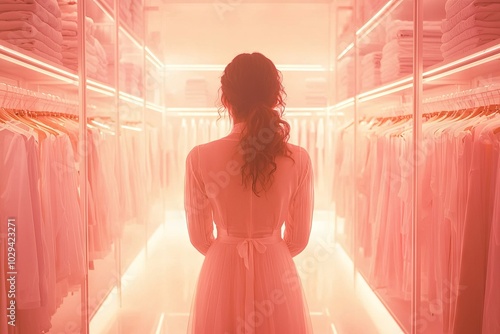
<point>19,65</point>
<point>481,61</point>
<point>130,35</point>
<point>343,104</point>
<point>99,87</point>
<point>105,8</point>
<point>372,23</point>
<point>456,71</point>
<point>139,101</point>
<point>155,107</point>
<point>151,57</point>
<point>387,89</point>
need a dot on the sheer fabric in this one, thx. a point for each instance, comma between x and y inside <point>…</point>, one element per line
<point>248,282</point>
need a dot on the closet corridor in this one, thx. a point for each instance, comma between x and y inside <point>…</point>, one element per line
<point>157,295</point>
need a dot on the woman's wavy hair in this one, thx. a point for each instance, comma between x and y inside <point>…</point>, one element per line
<point>253,93</point>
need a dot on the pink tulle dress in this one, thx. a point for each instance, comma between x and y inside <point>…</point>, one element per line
<point>248,282</point>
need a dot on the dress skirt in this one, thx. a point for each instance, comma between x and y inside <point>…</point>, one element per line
<point>249,286</point>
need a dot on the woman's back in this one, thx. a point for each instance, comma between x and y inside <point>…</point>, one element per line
<point>249,184</point>
<point>236,209</point>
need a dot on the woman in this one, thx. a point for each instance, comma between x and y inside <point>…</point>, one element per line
<point>250,183</point>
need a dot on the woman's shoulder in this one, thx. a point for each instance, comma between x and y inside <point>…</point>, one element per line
<point>206,148</point>
<point>298,150</point>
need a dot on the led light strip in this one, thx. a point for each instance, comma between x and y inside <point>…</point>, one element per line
<point>14,53</point>
<point>378,312</point>
<point>385,92</point>
<point>344,104</point>
<point>67,79</point>
<point>102,319</point>
<point>369,25</point>
<point>105,8</point>
<point>101,91</point>
<point>102,86</point>
<point>387,88</point>
<point>467,62</point>
<point>133,128</point>
<point>101,124</point>
<point>132,38</point>
<point>159,328</point>
<point>347,49</point>
<point>155,107</point>
<point>132,99</point>
<point>153,59</point>
<point>431,75</point>
<point>334,330</point>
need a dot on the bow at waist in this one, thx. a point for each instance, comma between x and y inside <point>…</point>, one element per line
<point>246,245</point>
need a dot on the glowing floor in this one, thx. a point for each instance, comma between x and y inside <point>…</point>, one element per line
<point>157,291</point>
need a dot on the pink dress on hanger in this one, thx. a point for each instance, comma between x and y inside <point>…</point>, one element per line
<point>248,282</point>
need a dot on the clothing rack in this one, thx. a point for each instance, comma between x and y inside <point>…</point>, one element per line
<point>21,99</point>
<point>484,100</point>
<point>35,114</point>
<point>476,97</point>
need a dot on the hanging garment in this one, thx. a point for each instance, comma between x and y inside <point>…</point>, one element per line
<point>248,271</point>
<point>477,230</point>
<point>491,321</point>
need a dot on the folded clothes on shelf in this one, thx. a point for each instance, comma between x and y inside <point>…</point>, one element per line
<point>96,58</point>
<point>28,30</point>
<point>345,75</point>
<point>32,44</point>
<point>469,25</point>
<point>472,23</point>
<point>453,7</point>
<point>29,33</point>
<point>483,12</point>
<point>32,25</point>
<point>398,29</point>
<point>49,5</point>
<point>466,45</point>
<point>7,19</point>
<point>69,25</point>
<point>52,18</point>
<point>370,67</point>
<point>397,53</point>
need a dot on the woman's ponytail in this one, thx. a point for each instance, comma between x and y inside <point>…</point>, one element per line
<point>263,138</point>
<point>252,92</point>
